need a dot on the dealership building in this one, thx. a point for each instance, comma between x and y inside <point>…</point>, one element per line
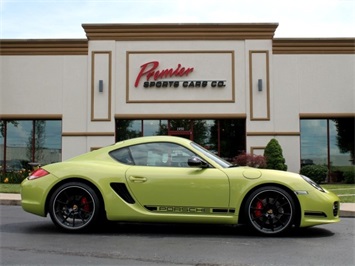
<point>229,87</point>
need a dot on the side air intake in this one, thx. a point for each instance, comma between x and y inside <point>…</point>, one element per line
<point>122,191</point>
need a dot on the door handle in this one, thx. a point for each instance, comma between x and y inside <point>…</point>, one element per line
<point>137,179</point>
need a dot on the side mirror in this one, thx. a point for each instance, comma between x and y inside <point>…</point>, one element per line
<point>197,162</point>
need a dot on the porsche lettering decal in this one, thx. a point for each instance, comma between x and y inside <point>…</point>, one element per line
<point>188,210</point>
<point>181,209</point>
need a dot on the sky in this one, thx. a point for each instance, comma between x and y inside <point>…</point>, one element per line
<point>63,19</point>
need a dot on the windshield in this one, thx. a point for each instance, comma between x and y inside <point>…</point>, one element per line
<point>212,156</point>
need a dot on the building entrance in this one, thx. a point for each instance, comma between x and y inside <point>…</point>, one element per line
<point>181,128</point>
<point>225,137</point>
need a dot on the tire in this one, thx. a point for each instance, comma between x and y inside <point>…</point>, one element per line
<point>74,207</point>
<point>270,210</point>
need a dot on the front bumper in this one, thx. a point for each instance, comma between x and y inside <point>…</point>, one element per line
<point>319,208</point>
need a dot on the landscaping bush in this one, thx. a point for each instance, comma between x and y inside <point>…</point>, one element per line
<point>349,177</point>
<point>245,159</point>
<point>317,173</point>
<point>15,177</point>
<point>274,157</point>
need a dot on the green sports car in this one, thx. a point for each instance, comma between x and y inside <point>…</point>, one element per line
<point>171,179</point>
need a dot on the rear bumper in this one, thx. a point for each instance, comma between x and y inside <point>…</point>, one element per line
<point>34,194</point>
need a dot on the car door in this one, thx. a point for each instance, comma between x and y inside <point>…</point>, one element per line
<point>162,180</point>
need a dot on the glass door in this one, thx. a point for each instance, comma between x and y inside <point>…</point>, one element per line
<point>181,128</point>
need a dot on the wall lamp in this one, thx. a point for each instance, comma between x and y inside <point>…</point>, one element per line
<point>260,85</point>
<point>101,85</point>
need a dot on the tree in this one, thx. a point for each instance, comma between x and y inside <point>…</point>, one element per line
<point>125,131</point>
<point>345,137</point>
<point>274,157</point>
<point>3,123</point>
<point>36,141</point>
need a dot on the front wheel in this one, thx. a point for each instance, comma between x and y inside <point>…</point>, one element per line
<point>270,210</point>
<point>74,206</point>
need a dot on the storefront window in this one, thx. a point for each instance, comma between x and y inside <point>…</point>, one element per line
<point>2,146</point>
<point>328,142</point>
<point>180,124</point>
<point>128,129</point>
<point>202,130</point>
<point>232,138</point>
<point>49,143</point>
<point>225,137</point>
<point>314,142</point>
<point>342,141</point>
<point>24,141</point>
<point>155,127</point>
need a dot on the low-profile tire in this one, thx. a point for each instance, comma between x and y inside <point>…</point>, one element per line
<point>74,207</point>
<point>270,210</point>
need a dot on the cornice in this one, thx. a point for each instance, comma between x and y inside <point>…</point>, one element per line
<point>44,47</point>
<point>326,115</point>
<point>31,116</point>
<point>138,32</point>
<point>141,32</point>
<point>180,116</point>
<point>313,46</point>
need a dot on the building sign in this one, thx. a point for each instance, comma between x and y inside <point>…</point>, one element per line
<point>180,77</point>
<point>160,78</point>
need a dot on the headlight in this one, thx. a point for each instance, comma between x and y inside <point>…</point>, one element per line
<point>312,183</point>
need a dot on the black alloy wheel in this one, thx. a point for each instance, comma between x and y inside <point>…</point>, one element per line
<point>74,206</point>
<point>270,210</point>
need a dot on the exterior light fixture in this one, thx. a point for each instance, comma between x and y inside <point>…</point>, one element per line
<point>260,85</point>
<point>101,85</point>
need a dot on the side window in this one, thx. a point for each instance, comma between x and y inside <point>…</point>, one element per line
<point>122,155</point>
<point>160,154</point>
<point>180,155</point>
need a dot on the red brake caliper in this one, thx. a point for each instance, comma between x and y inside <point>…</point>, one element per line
<point>85,204</point>
<point>258,207</point>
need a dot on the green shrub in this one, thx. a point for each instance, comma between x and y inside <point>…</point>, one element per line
<point>274,157</point>
<point>317,173</point>
<point>349,177</point>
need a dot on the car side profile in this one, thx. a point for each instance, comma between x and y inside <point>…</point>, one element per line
<point>173,180</point>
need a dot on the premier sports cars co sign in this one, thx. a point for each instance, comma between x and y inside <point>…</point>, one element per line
<point>180,76</point>
<point>155,77</point>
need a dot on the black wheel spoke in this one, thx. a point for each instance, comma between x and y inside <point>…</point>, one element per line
<point>61,202</point>
<point>73,220</point>
<point>284,204</point>
<point>262,224</point>
<point>65,218</point>
<point>271,223</point>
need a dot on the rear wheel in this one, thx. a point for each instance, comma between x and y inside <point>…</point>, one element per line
<point>74,206</point>
<point>270,210</point>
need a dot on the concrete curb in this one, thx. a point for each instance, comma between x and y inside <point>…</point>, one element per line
<point>10,202</point>
<point>346,209</point>
<point>10,199</point>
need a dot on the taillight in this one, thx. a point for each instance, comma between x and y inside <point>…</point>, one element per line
<point>38,173</point>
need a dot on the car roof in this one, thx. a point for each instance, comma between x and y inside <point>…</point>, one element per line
<point>147,139</point>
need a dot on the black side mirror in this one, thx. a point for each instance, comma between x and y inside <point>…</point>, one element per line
<point>197,162</point>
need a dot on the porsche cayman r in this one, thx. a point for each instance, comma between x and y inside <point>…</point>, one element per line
<point>170,179</point>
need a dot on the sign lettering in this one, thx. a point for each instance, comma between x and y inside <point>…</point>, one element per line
<point>149,70</point>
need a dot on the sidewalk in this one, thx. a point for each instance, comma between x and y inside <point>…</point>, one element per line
<point>346,209</point>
